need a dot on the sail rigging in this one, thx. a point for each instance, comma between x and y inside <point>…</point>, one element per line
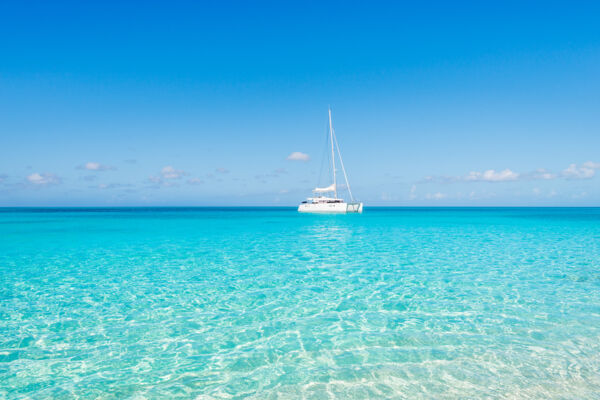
<point>334,146</point>
<point>326,204</point>
<point>334,139</point>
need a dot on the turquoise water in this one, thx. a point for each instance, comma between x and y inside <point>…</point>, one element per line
<point>267,303</point>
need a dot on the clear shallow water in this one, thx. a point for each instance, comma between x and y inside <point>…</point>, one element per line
<point>267,303</point>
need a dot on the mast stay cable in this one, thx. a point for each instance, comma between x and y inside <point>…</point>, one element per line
<point>342,164</point>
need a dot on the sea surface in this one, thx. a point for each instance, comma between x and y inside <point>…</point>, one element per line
<point>266,303</point>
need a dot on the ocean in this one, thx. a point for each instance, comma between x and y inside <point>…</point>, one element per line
<point>266,303</point>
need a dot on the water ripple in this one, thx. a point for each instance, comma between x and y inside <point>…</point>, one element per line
<point>269,304</point>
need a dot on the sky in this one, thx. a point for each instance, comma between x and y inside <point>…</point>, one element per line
<point>225,103</point>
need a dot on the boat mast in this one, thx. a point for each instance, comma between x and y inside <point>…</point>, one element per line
<point>332,154</point>
<point>342,164</point>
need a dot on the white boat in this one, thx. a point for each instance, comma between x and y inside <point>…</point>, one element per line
<point>322,200</point>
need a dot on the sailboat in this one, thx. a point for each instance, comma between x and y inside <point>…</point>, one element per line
<point>322,200</point>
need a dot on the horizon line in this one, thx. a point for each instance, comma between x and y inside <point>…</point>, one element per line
<point>280,206</point>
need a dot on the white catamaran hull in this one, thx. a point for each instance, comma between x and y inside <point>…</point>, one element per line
<point>331,208</point>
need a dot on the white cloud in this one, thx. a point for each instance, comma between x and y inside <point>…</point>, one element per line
<point>386,197</point>
<point>298,156</point>
<point>94,166</point>
<point>43,179</point>
<point>114,185</point>
<point>436,196</point>
<point>492,176</point>
<point>195,181</point>
<point>413,192</point>
<point>275,174</point>
<point>222,170</point>
<point>169,172</point>
<point>543,174</point>
<point>591,164</point>
<point>586,171</point>
<point>489,175</point>
<point>155,179</point>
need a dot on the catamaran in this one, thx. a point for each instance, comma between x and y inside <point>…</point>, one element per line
<point>322,202</point>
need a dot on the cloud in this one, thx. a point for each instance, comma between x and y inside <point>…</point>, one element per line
<point>489,175</point>
<point>195,181</point>
<point>94,166</point>
<point>413,192</point>
<point>155,179</point>
<point>89,178</point>
<point>167,175</point>
<point>130,161</point>
<point>586,171</point>
<point>541,174</point>
<point>492,176</point>
<point>169,172</point>
<point>435,196</point>
<point>579,195</point>
<point>298,156</point>
<point>114,185</point>
<point>275,174</point>
<point>157,182</point>
<point>386,197</point>
<point>222,171</point>
<point>43,179</point>
<point>3,177</point>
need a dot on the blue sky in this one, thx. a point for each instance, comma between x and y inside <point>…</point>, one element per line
<point>181,103</point>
